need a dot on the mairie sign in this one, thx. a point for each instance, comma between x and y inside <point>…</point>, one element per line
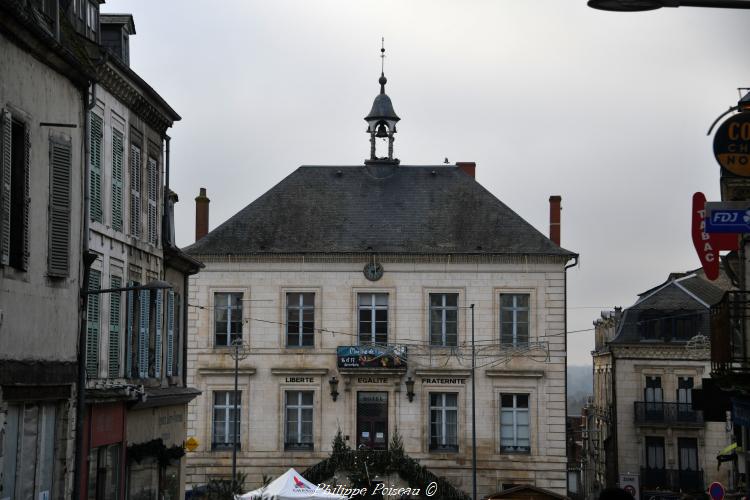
<point>728,217</point>
<point>371,356</point>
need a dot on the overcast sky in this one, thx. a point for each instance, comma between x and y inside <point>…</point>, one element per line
<point>608,110</point>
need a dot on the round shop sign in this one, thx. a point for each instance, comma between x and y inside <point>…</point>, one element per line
<point>630,490</point>
<point>716,491</point>
<point>732,144</point>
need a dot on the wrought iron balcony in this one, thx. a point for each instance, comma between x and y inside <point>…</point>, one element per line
<point>667,414</point>
<point>730,327</point>
<point>687,481</point>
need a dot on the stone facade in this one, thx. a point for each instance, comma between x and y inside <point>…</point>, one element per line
<point>271,369</point>
<point>38,311</point>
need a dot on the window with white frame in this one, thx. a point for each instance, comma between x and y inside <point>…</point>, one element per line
<point>226,422</point>
<point>514,318</point>
<point>444,421</point>
<point>298,420</point>
<point>227,318</point>
<point>300,319</point>
<point>373,318</point>
<point>444,319</point>
<point>514,423</point>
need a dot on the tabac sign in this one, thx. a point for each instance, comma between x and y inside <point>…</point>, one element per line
<point>732,144</point>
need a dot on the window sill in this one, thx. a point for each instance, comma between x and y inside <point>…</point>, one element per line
<point>298,447</point>
<point>514,452</point>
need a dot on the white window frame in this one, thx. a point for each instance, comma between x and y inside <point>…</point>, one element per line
<point>515,411</point>
<point>299,407</point>
<point>300,308</point>
<point>515,309</point>
<point>373,307</point>
<point>226,407</point>
<point>443,308</point>
<point>231,336</point>
<point>443,408</point>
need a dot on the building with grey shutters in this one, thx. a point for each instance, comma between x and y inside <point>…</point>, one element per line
<point>85,205</point>
<point>350,288</point>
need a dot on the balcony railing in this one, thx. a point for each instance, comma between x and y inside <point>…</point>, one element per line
<point>730,326</point>
<point>687,481</point>
<point>667,414</point>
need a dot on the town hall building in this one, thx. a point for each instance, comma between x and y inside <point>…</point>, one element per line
<point>355,291</point>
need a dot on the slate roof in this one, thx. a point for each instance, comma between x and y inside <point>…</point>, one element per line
<point>681,295</point>
<point>377,208</point>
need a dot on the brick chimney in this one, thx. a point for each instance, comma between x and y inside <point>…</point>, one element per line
<point>201,214</point>
<point>554,219</point>
<point>469,167</point>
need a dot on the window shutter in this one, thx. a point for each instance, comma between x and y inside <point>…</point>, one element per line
<point>145,300</point>
<point>117,157</point>
<point>129,325</point>
<point>153,184</point>
<point>26,196</point>
<point>157,340</point>
<point>92,332</point>
<point>170,333</point>
<point>135,191</point>
<point>95,179</point>
<point>5,159</point>
<point>114,328</point>
<point>58,258</point>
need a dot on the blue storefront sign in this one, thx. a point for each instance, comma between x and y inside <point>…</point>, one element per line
<point>727,217</point>
<point>371,356</point>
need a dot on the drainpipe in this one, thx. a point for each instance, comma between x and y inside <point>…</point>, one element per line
<point>87,260</point>
<point>565,339</point>
<point>184,304</point>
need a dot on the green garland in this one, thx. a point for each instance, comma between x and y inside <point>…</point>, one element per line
<point>394,460</point>
<point>154,449</point>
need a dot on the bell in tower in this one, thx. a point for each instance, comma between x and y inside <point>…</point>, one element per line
<point>381,122</point>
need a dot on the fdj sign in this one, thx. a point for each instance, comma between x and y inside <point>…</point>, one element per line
<point>732,144</point>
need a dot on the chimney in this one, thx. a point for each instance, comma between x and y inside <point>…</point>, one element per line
<point>201,214</point>
<point>554,219</point>
<point>469,167</point>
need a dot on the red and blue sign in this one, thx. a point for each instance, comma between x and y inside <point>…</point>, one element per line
<point>716,490</point>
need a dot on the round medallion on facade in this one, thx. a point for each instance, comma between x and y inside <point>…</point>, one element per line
<point>373,271</point>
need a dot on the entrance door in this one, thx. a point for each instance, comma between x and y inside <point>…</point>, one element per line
<point>372,420</point>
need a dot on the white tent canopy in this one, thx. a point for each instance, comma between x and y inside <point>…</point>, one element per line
<point>290,486</point>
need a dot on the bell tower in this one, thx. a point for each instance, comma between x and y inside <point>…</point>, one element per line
<point>381,122</point>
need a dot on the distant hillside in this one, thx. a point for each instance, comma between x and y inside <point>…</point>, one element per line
<point>580,387</point>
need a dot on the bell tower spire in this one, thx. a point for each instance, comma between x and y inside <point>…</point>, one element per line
<point>381,122</point>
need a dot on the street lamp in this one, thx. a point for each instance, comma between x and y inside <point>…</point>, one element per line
<point>239,351</point>
<point>81,396</point>
<point>643,5</point>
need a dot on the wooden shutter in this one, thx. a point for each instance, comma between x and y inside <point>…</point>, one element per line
<point>145,302</point>
<point>117,159</point>
<point>114,328</point>
<point>95,179</point>
<point>129,326</point>
<point>153,187</point>
<point>58,256</point>
<point>157,339</point>
<point>135,191</point>
<point>92,320</point>
<point>5,161</point>
<point>26,250</point>
<point>170,333</point>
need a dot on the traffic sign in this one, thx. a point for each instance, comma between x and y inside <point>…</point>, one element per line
<point>716,490</point>
<point>191,444</point>
<point>728,217</point>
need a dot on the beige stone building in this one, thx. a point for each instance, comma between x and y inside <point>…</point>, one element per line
<point>648,360</point>
<point>351,288</point>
